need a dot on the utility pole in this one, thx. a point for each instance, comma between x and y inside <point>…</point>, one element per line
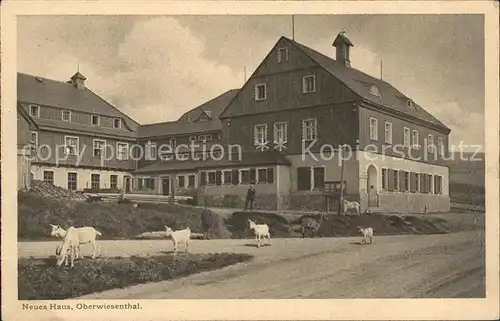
<point>245,74</point>
<point>173,182</point>
<point>341,207</point>
<point>293,27</point>
<point>380,69</point>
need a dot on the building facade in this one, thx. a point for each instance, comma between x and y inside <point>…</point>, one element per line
<point>301,126</point>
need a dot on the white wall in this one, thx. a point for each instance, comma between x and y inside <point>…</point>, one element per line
<point>83,176</point>
<point>383,161</point>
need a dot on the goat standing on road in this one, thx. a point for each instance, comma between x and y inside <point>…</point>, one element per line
<point>179,237</point>
<point>367,234</point>
<point>70,244</point>
<point>85,235</point>
<point>260,230</point>
<point>309,224</point>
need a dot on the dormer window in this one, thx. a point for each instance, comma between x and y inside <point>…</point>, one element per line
<point>117,123</point>
<point>282,54</point>
<point>94,119</point>
<point>66,115</point>
<point>374,91</point>
<point>260,92</point>
<point>410,104</point>
<point>34,111</point>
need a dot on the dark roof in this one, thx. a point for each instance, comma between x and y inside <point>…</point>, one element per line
<point>247,159</point>
<point>48,92</point>
<point>186,124</point>
<point>360,83</point>
<point>49,124</point>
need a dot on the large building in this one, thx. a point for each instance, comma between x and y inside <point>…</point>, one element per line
<point>287,123</point>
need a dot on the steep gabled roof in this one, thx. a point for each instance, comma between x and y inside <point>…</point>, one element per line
<point>43,91</point>
<point>186,124</point>
<point>360,83</point>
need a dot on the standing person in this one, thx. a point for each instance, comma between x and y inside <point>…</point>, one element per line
<point>250,197</point>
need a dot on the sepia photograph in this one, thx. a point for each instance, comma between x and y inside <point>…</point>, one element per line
<point>249,156</point>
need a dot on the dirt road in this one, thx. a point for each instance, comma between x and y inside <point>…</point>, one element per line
<point>436,266</point>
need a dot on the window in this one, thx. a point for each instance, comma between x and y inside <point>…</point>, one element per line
<point>438,184</point>
<point>95,120</point>
<point>122,151</point>
<point>172,142</point>
<point>418,187</point>
<point>280,132</point>
<point>202,138</point>
<point>181,181</point>
<point>384,179</point>
<point>192,138</point>
<point>113,181</point>
<point>406,181</point>
<point>117,123</point>
<point>209,137</point>
<point>34,139</point>
<point>48,177</point>
<point>149,183</point>
<point>319,177</point>
<point>262,175</point>
<point>66,115</point>
<point>374,91</point>
<point>95,181</point>
<point>413,182</point>
<point>219,136</point>
<point>211,178</point>
<point>99,148</point>
<point>183,156</point>
<point>303,178</point>
<point>415,139</point>
<point>373,128</point>
<point>440,146</point>
<point>430,143</point>
<point>71,143</point>
<point>191,180</point>
<point>72,181</point>
<point>227,179</point>
<point>34,111</point>
<point>406,137</point>
<point>282,54</point>
<point>152,151</point>
<point>260,134</point>
<point>309,129</point>
<point>260,92</point>
<point>309,84</point>
<point>388,133</point>
<point>140,183</point>
<point>394,180</point>
<point>245,176</point>
<point>218,178</point>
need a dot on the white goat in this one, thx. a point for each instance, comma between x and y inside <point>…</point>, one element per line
<point>367,234</point>
<point>260,230</point>
<point>179,237</point>
<point>69,244</point>
<point>351,205</point>
<point>86,235</point>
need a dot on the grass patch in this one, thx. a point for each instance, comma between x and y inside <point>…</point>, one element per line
<point>41,279</point>
<point>113,220</point>
<point>239,228</point>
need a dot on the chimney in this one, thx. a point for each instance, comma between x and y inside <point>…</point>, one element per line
<point>78,80</point>
<point>342,44</point>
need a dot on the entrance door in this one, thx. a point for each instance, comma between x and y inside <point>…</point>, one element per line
<point>127,184</point>
<point>372,186</point>
<point>166,186</point>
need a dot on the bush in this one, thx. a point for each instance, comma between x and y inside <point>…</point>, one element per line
<point>41,279</point>
<point>238,224</point>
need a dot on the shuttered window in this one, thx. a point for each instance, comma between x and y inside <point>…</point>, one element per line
<point>270,175</point>
<point>401,177</point>
<point>235,177</point>
<point>303,178</point>
<point>218,178</point>
<point>253,175</point>
<point>438,184</point>
<point>203,178</point>
<point>319,178</point>
<point>384,179</point>
<point>413,182</point>
<point>422,183</point>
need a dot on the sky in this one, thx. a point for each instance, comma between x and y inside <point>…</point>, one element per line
<point>155,68</point>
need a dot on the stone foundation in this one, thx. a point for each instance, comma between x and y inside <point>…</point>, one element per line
<point>413,203</point>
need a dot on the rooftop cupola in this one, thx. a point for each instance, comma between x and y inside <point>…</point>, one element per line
<point>78,80</point>
<point>342,44</point>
